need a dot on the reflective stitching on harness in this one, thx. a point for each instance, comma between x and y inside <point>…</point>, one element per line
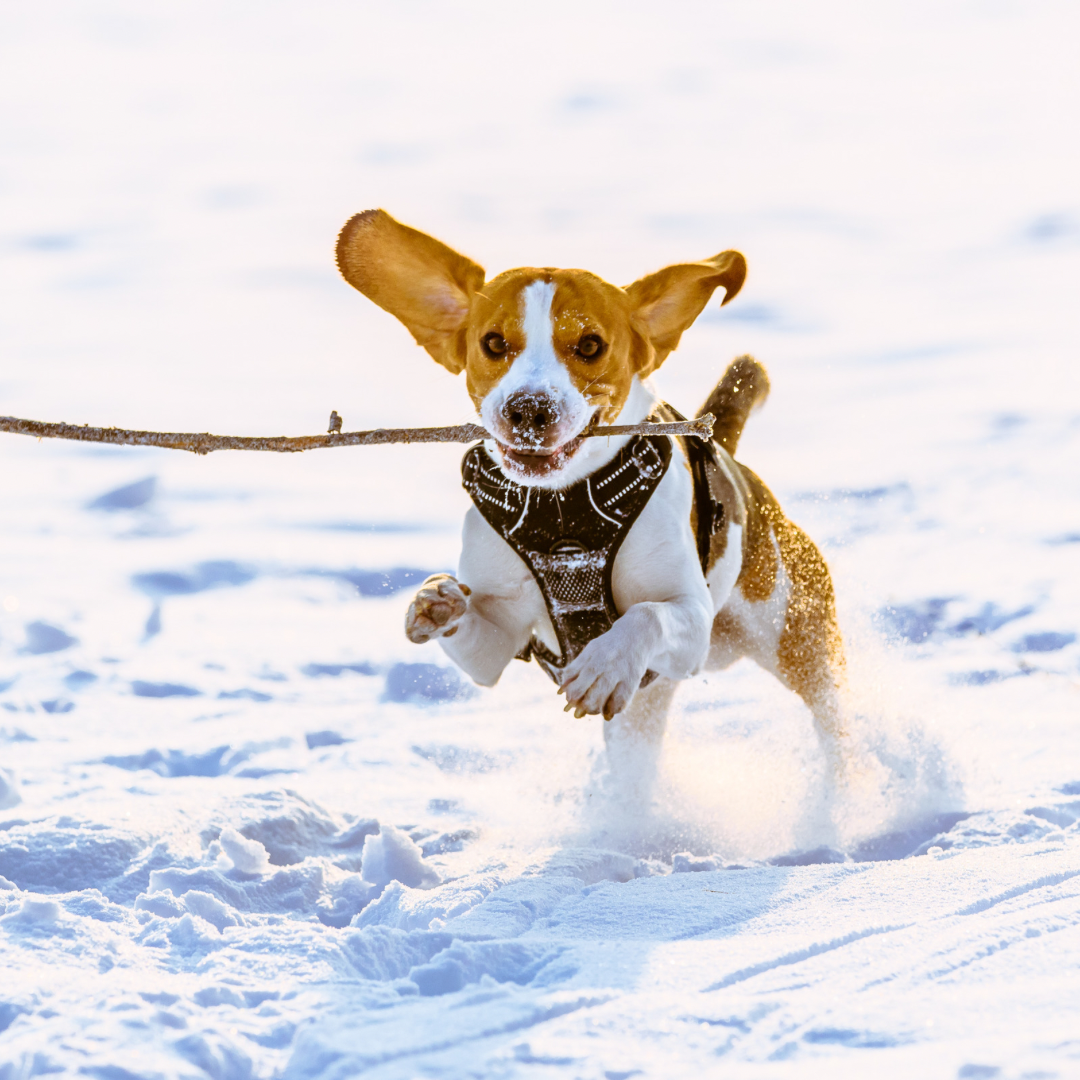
<point>616,498</point>
<point>617,473</point>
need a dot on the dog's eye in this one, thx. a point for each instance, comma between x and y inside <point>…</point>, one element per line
<point>494,345</point>
<point>590,347</point>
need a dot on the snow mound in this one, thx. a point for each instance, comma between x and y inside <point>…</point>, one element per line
<point>32,912</point>
<point>63,854</point>
<point>390,855</point>
<point>247,856</point>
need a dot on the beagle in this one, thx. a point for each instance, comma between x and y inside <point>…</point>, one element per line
<point>624,564</point>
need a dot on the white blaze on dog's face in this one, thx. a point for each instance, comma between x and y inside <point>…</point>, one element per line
<point>546,352</point>
<point>536,410</point>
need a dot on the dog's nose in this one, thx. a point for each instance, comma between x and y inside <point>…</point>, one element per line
<point>530,415</point>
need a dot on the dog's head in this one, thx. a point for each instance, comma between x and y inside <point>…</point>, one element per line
<point>545,352</point>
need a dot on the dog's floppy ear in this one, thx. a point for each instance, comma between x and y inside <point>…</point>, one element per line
<point>667,302</point>
<point>427,285</point>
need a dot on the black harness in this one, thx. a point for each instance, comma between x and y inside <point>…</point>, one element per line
<point>569,538</point>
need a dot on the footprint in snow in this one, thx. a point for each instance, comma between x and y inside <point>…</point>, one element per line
<point>42,638</point>
<point>129,497</point>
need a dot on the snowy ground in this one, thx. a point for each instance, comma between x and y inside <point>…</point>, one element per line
<point>245,831</point>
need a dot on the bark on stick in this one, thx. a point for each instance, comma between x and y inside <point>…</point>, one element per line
<point>204,443</point>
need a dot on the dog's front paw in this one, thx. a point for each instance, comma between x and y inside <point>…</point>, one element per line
<point>436,609</point>
<point>603,679</point>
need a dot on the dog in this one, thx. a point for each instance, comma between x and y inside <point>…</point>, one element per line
<point>623,564</point>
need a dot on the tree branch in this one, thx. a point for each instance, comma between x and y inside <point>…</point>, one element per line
<point>204,443</point>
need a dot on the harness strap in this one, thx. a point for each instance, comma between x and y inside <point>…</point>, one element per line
<point>569,538</point>
<point>710,489</point>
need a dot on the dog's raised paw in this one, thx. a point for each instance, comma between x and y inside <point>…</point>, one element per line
<point>437,608</point>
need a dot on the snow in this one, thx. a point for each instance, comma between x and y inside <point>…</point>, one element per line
<point>248,830</point>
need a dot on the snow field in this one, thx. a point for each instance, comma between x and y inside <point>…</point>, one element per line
<point>247,830</point>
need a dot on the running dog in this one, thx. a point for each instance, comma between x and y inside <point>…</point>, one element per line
<point>622,565</point>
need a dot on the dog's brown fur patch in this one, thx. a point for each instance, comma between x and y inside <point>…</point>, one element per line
<point>810,655</point>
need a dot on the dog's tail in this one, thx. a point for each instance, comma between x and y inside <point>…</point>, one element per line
<point>744,387</point>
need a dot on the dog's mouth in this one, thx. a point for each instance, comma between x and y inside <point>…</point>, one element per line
<point>536,462</point>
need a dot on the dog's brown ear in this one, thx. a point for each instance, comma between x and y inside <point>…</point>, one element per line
<point>667,302</point>
<point>425,284</point>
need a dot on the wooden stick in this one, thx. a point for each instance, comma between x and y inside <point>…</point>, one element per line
<point>203,443</point>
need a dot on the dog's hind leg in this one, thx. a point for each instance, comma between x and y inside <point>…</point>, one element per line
<point>634,739</point>
<point>781,611</point>
<point>810,652</point>
<point>782,614</point>
<point>793,636</point>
